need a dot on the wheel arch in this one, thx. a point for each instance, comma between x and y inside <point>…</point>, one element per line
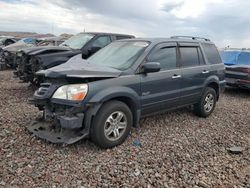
<point>214,83</point>
<point>123,94</point>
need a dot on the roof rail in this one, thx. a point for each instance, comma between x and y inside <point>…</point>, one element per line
<point>190,37</point>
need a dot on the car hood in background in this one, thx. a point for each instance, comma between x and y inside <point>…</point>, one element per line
<point>45,49</point>
<point>76,67</point>
<point>17,46</point>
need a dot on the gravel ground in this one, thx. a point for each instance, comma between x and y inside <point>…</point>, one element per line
<point>177,149</point>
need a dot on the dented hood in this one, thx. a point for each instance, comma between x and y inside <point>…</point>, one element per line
<point>45,49</point>
<point>76,67</point>
<point>17,46</point>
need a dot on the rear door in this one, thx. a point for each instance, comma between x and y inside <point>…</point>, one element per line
<point>161,90</point>
<point>194,72</point>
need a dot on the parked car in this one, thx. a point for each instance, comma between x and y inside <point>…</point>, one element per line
<point>9,52</point>
<point>237,67</point>
<point>7,40</point>
<point>51,41</point>
<point>41,58</point>
<point>104,96</point>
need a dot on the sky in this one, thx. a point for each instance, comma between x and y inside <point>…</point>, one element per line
<point>225,22</point>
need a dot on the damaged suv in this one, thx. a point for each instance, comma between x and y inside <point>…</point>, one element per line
<point>104,96</point>
<point>34,59</point>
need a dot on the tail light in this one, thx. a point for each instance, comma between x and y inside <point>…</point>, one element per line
<point>246,70</point>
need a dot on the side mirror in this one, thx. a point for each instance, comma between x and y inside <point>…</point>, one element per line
<point>85,54</point>
<point>151,67</point>
<point>89,52</point>
<point>94,49</point>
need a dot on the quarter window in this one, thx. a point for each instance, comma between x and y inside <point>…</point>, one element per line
<point>212,53</point>
<point>165,56</point>
<point>189,56</point>
<point>101,41</point>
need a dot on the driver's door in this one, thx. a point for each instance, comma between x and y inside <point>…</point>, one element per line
<point>161,90</point>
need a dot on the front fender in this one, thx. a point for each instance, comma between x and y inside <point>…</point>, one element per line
<point>114,92</point>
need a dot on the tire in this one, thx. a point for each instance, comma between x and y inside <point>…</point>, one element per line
<point>106,120</point>
<point>204,108</point>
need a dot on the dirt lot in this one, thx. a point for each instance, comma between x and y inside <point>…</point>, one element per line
<point>177,149</point>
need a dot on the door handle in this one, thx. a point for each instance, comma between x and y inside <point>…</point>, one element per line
<point>205,72</point>
<point>176,76</point>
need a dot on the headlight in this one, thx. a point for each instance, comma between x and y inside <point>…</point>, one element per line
<point>74,92</point>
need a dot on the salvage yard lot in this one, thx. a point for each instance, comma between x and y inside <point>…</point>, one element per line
<point>178,149</point>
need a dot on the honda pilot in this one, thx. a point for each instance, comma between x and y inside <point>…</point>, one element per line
<point>102,97</point>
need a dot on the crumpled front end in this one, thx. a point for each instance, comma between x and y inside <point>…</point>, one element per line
<point>7,59</point>
<point>62,121</point>
<point>27,67</point>
<point>60,124</point>
<point>2,64</point>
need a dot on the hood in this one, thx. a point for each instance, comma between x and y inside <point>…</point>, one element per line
<point>45,49</point>
<point>76,67</point>
<point>17,46</point>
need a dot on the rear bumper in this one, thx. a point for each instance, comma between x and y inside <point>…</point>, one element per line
<point>234,82</point>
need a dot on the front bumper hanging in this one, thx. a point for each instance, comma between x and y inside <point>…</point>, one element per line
<point>49,132</point>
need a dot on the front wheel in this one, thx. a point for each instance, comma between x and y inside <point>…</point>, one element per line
<point>111,125</point>
<point>207,103</point>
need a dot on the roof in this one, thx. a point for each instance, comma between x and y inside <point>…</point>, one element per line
<point>159,40</point>
<point>103,33</point>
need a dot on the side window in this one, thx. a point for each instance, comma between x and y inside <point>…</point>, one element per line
<point>165,56</point>
<point>212,53</point>
<point>189,56</point>
<point>102,41</point>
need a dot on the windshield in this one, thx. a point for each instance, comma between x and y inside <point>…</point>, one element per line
<point>119,55</point>
<point>77,41</point>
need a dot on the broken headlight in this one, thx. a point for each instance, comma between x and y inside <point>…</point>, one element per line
<point>74,92</point>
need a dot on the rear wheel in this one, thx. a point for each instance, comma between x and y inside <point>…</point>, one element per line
<point>111,125</point>
<point>207,103</point>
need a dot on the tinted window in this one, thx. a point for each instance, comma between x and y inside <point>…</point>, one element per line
<point>189,56</point>
<point>212,53</point>
<point>102,41</point>
<point>165,56</point>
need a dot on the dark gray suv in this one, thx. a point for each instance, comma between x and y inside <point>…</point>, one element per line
<point>107,94</point>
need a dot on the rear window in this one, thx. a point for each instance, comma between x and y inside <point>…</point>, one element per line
<point>189,56</point>
<point>212,53</point>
